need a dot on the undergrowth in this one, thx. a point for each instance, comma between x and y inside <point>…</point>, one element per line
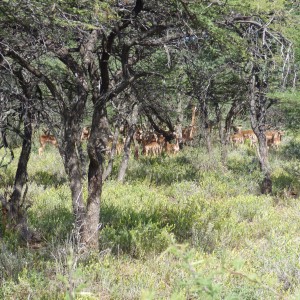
<point>181,227</point>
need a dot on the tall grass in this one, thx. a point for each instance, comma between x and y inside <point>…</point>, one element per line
<point>182,227</point>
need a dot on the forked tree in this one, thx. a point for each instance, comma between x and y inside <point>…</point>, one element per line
<point>88,61</point>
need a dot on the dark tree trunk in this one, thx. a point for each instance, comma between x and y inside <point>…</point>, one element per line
<point>179,120</point>
<point>73,167</point>
<point>17,217</point>
<point>204,124</point>
<point>83,159</point>
<point>131,131</point>
<point>112,155</point>
<point>96,150</point>
<point>16,207</point>
<point>224,133</point>
<point>258,122</point>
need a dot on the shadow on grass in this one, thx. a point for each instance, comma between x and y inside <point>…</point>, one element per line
<point>135,232</point>
<point>163,170</point>
<point>47,179</point>
<point>53,224</point>
<point>130,231</point>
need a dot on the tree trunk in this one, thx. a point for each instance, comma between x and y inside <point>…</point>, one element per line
<point>126,155</point>
<point>131,131</point>
<point>73,170</point>
<point>204,124</point>
<point>96,150</point>
<point>258,122</point>
<point>70,154</point>
<point>109,167</point>
<point>179,120</point>
<point>16,207</point>
<point>224,133</point>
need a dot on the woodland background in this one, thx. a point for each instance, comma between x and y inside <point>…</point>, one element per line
<point>89,219</point>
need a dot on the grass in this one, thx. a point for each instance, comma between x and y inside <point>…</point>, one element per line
<point>183,227</point>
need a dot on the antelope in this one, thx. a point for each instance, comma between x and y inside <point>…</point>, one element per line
<point>44,139</point>
<point>168,147</point>
<point>274,138</point>
<point>119,145</point>
<point>240,136</point>
<point>137,140</point>
<point>149,143</point>
<point>172,148</point>
<point>237,129</point>
<point>119,148</point>
<point>250,135</point>
<point>138,135</point>
<point>161,141</point>
<point>85,134</point>
<point>188,132</point>
<point>176,147</point>
<point>237,138</point>
<point>253,140</point>
<point>152,148</point>
<point>149,137</point>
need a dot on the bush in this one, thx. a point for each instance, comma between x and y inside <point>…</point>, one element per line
<point>51,211</point>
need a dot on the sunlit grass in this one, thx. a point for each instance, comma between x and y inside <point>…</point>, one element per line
<point>182,227</point>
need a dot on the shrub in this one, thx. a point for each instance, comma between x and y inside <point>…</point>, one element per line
<point>51,211</point>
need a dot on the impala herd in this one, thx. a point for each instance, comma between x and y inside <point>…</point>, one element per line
<point>154,144</point>
<point>151,143</point>
<point>273,137</point>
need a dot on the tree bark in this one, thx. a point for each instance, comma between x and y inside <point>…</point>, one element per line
<point>131,131</point>
<point>258,123</point>
<point>109,167</point>
<point>16,207</point>
<point>224,133</point>
<point>179,120</point>
<point>96,150</point>
<point>204,124</point>
<point>73,167</point>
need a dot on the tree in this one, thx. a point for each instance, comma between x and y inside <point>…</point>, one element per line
<point>266,47</point>
<point>81,53</point>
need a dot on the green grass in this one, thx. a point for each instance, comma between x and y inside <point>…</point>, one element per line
<point>183,227</point>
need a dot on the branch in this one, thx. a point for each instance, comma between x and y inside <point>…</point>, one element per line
<point>22,62</point>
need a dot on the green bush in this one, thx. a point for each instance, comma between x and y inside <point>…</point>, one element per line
<point>181,227</point>
<point>51,211</point>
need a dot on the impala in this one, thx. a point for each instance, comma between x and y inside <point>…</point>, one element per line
<point>250,135</point>
<point>85,134</point>
<point>172,148</point>
<point>237,138</point>
<point>188,132</point>
<point>274,138</point>
<point>44,139</point>
<point>153,148</point>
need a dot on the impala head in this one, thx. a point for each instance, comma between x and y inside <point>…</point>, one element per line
<point>175,135</point>
<point>85,133</point>
<point>161,139</point>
